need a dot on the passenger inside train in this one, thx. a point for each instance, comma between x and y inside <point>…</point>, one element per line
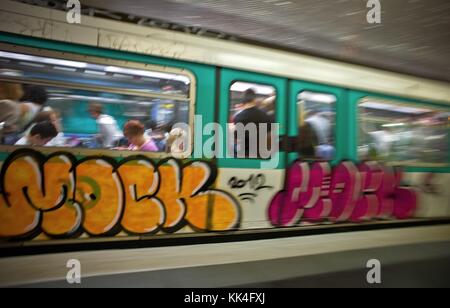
<point>33,101</point>
<point>317,118</point>
<point>250,112</point>
<point>134,131</point>
<point>40,135</point>
<point>49,116</point>
<point>251,104</point>
<point>108,132</point>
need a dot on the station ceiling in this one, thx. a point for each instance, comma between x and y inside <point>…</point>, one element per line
<point>413,37</point>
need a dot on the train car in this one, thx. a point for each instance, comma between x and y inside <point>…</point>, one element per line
<point>352,146</point>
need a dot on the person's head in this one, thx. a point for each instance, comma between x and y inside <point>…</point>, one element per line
<point>35,94</point>
<point>250,96</point>
<point>48,116</point>
<point>95,110</point>
<point>134,131</point>
<point>10,91</point>
<point>42,133</point>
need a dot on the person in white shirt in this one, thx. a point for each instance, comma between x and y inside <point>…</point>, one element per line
<point>321,126</point>
<point>109,132</point>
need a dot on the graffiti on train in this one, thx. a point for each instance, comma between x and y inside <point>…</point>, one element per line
<point>255,183</point>
<point>315,192</point>
<point>63,197</point>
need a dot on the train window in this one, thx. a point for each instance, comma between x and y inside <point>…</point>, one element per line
<point>94,105</point>
<point>403,133</point>
<point>252,113</point>
<point>119,79</point>
<point>317,125</point>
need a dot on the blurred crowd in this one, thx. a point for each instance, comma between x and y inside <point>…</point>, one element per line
<point>27,120</point>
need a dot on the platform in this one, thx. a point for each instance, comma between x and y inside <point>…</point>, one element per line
<point>411,257</point>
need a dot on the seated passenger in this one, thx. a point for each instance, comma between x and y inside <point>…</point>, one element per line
<point>134,131</point>
<point>39,135</point>
<point>52,117</point>
<point>109,133</point>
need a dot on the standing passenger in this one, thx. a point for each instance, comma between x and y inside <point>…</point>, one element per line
<point>109,133</point>
<point>250,113</point>
<point>33,101</point>
<point>10,112</point>
<point>307,142</point>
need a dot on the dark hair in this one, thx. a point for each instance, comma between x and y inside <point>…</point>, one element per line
<point>133,128</point>
<point>250,95</point>
<point>35,94</point>
<point>45,130</point>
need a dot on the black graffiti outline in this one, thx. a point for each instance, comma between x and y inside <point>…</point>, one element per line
<point>248,197</point>
<point>238,208</point>
<point>255,183</point>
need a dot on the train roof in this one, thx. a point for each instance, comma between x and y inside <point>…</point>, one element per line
<point>51,24</point>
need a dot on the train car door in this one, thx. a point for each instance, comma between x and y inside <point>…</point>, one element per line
<point>317,122</point>
<point>253,179</point>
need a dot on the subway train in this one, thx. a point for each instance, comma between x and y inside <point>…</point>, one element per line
<point>349,145</point>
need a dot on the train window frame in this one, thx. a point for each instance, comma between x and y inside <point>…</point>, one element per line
<point>401,103</point>
<point>335,131</point>
<point>248,81</point>
<point>190,98</point>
